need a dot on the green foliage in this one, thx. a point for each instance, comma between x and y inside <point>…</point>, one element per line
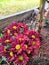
<point>47,21</point>
<point>7,46</point>
<point>1,34</point>
<point>3,61</point>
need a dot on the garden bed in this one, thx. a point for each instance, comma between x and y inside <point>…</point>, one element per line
<point>42,58</point>
<point>16,17</point>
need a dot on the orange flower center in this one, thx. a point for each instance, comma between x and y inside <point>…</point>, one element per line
<point>15,33</point>
<point>26,32</point>
<point>11,53</point>
<point>14,27</point>
<point>4,50</point>
<point>8,31</point>
<point>33,42</point>
<point>21,39</point>
<point>21,58</point>
<point>6,41</point>
<point>33,36</point>
<point>17,46</point>
<point>29,52</point>
<point>26,45</point>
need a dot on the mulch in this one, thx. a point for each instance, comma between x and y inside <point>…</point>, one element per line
<point>42,58</point>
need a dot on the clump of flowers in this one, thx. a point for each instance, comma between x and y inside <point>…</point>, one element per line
<point>18,43</point>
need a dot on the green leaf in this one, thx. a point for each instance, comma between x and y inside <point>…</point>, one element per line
<point>0,60</point>
<point>1,35</point>
<point>3,58</point>
<point>7,46</point>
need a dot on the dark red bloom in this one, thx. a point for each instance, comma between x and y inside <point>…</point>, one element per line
<point>5,40</point>
<point>28,48</point>
<point>17,47</point>
<point>21,59</point>
<point>32,34</point>
<point>2,50</point>
<point>10,56</point>
<point>35,43</point>
<point>11,28</point>
<point>22,38</point>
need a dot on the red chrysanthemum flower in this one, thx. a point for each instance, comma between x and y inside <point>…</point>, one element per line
<point>27,47</point>
<point>2,50</point>
<point>22,38</point>
<point>10,55</point>
<point>17,47</point>
<point>32,34</point>
<point>5,40</point>
<point>21,59</point>
<point>12,28</point>
<point>35,43</point>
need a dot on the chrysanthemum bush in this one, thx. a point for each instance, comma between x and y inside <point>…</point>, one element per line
<point>18,43</point>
